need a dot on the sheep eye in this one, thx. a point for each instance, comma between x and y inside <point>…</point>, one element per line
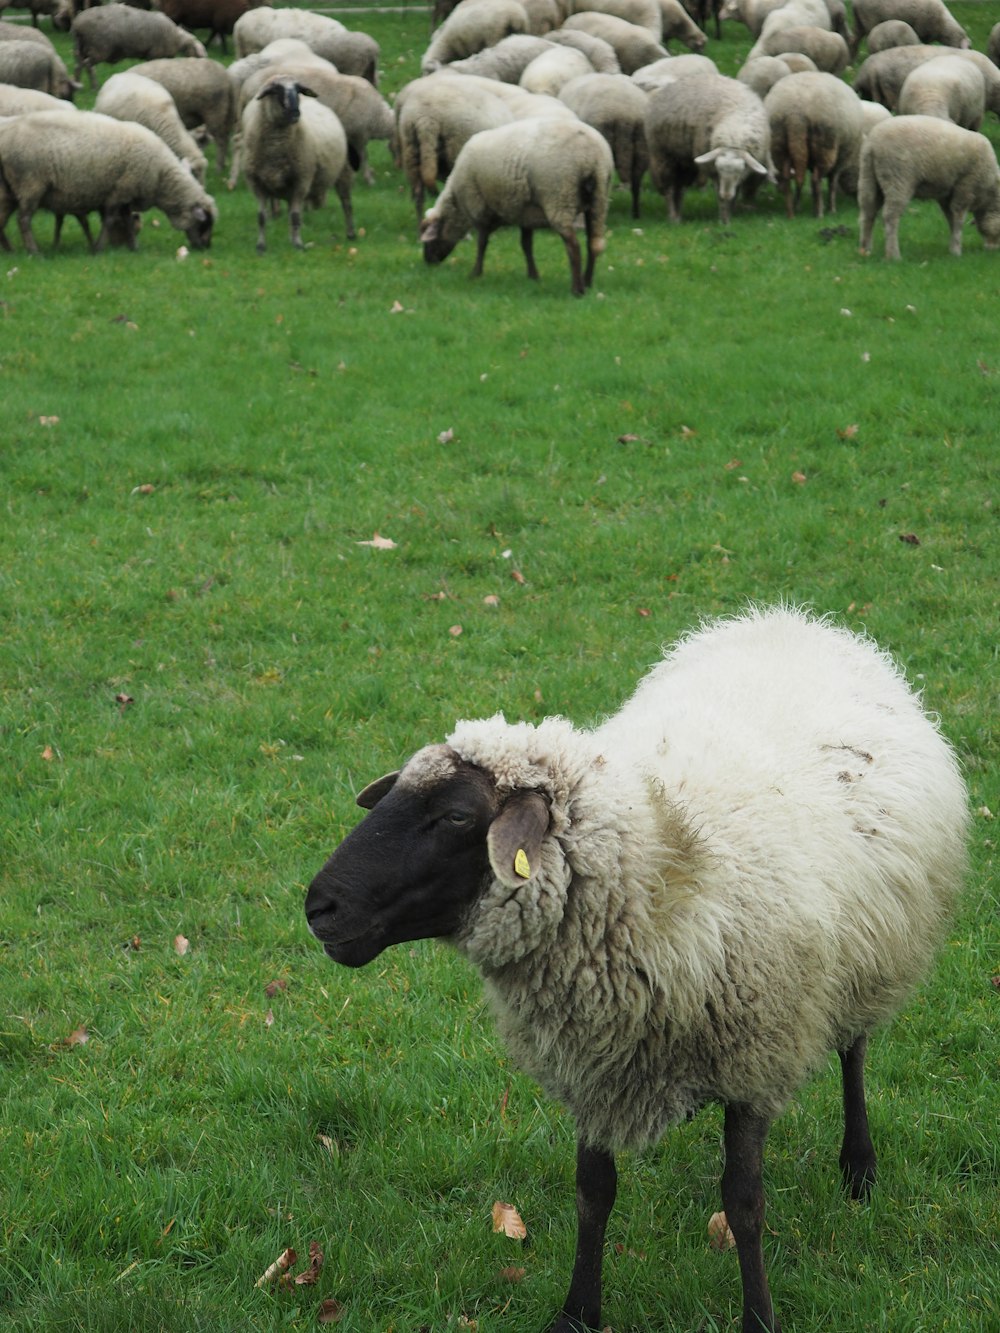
<point>458,819</point>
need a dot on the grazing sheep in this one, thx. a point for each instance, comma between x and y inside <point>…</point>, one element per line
<point>549,72</point>
<point>79,162</point>
<point>890,33</point>
<point>436,116</point>
<point>827,50</point>
<point>763,72</point>
<point>923,157</point>
<point>793,14</point>
<point>706,125</point>
<point>471,26</point>
<point>873,113</point>
<point>261,25</point>
<point>518,176</point>
<point>817,125</point>
<point>632,45</point>
<point>881,77</point>
<point>203,94</point>
<point>19,101</point>
<point>28,64</point>
<point>645,13</point>
<point>543,15</point>
<point>17,32</point>
<point>130,96</point>
<point>600,53</point>
<point>993,44</point>
<point>37,8</point>
<point>615,106</point>
<point>218,16</point>
<point>113,32</point>
<point>506,61</point>
<point>668,69</point>
<point>931,20</point>
<point>751,13</point>
<point>948,87</point>
<point>748,866</point>
<point>296,151</point>
<point>678,25</point>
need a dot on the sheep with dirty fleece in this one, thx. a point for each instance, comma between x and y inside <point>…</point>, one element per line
<point>891,32</point>
<point>931,20</point>
<point>817,124</point>
<point>827,50</point>
<point>294,150</point>
<point>948,87</point>
<point>130,96</point>
<point>470,27</point>
<point>881,76</point>
<point>203,94</point>
<point>517,175</point>
<point>79,162</point>
<point>549,72</point>
<point>748,866</point>
<point>113,32</point>
<point>633,46</point>
<point>28,64</point>
<point>923,157</point>
<point>706,126</point>
<point>615,106</point>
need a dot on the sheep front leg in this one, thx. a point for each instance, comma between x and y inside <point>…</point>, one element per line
<point>743,1200</point>
<point>596,1186</point>
<point>857,1156</point>
<point>24,216</point>
<point>483,233</point>
<point>528,246</point>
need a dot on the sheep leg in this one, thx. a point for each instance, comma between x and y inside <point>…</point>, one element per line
<point>261,224</point>
<point>576,279</point>
<point>743,1200</point>
<point>596,1186</point>
<point>891,215</point>
<point>483,234</point>
<point>816,183</point>
<point>857,1156</point>
<point>24,216</point>
<point>675,198</point>
<point>528,246</point>
<point>343,185</point>
<point>955,213</point>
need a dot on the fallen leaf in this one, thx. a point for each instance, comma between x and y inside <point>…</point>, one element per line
<point>147,488</point>
<point>643,611</point>
<point>273,987</point>
<point>396,308</point>
<point>135,943</point>
<point>848,432</point>
<point>78,1037</point>
<point>517,576</point>
<point>513,1274</point>
<point>181,945</point>
<point>269,1018</point>
<point>995,982</point>
<point>446,436</point>
<point>799,478</point>
<point>310,1276</point>
<point>627,439</point>
<point>507,1219</point>
<point>330,1312</point>
<point>984,812</point>
<point>687,432</point>
<point>733,464</point>
<point>720,1237</point>
<point>281,1265</point>
<point>48,754</point>
<point>379,543</point>
<point>455,631</point>
<point>910,538</point>
<point>123,701</point>
<point>48,421</point>
<point>327,1143</point>
<point>491,599</point>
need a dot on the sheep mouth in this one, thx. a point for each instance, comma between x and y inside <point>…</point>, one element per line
<point>354,952</point>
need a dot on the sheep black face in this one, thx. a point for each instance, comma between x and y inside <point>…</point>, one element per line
<point>435,836</point>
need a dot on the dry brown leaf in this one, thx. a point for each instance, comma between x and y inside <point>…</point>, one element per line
<point>719,1235</point>
<point>643,611</point>
<point>799,478</point>
<point>491,599</point>
<point>910,538</point>
<point>849,431</point>
<point>507,1219</point>
<point>327,1143</point>
<point>273,987</point>
<point>269,1018</point>
<point>455,631</point>
<point>627,439</point>
<point>733,464</point>
<point>48,754</point>
<point>517,576</point>
<point>78,1037</point>
<point>687,432</point>
<point>330,1312</point>
<point>512,1274</point>
<point>310,1276</point>
<point>446,436</point>
<point>281,1265</point>
<point>379,543</point>
<point>181,945</point>
<point>396,308</point>
<point>147,488</point>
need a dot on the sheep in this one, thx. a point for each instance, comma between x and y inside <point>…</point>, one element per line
<point>677,24</point>
<point>931,20</point>
<point>471,26</point>
<point>793,14</point>
<point>923,157</point>
<point>435,117</point>
<point>507,60</point>
<point>616,107</point>
<point>600,53</point>
<point>706,123</point>
<point>516,175</point>
<point>113,32</point>
<point>17,32</point>
<point>80,162</point>
<point>763,72</point>
<point>28,64</point>
<point>993,44</point>
<point>645,13</point>
<point>748,866</point>
<point>130,96</point>
<point>948,87</point>
<point>881,76</point>
<point>203,94</point>
<point>549,72</point>
<point>36,8</point>
<point>668,69</point>
<point>294,150</point>
<point>543,15</point>
<point>817,125</point>
<point>261,25</point>
<point>798,62</point>
<point>751,13</point>
<point>16,101</point>
<point>633,45</point>
<point>890,33</point>
<point>827,50</point>
<point>872,113</point>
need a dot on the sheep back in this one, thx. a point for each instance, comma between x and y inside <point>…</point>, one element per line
<point>947,87</point>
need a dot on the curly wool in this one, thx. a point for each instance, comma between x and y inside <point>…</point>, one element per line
<point>748,866</point>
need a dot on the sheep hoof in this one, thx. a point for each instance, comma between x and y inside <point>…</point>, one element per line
<point>564,1324</point>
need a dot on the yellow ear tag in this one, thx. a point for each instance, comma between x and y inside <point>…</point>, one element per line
<point>521,865</point>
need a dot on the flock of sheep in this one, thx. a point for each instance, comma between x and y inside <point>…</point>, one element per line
<point>523,111</point>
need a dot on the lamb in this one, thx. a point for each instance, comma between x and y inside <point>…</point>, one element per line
<point>827,50</point>
<point>113,32</point>
<point>749,865</point>
<point>516,176</point>
<point>890,33</point>
<point>79,162</point>
<point>471,26</point>
<point>706,122</point>
<point>131,96</point>
<point>294,150</point>
<point>616,107</point>
<point>549,72</point>
<point>948,87</point>
<point>28,64</point>
<point>931,20</point>
<point>882,75</point>
<point>633,46</point>
<point>203,94</point>
<point>923,157</point>
<point>817,125</point>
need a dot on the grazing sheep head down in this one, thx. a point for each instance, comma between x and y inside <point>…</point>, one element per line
<point>731,166</point>
<point>437,239</point>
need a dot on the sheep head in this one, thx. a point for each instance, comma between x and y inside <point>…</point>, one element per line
<point>438,836</point>
<point>730,166</point>
<point>437,237</point>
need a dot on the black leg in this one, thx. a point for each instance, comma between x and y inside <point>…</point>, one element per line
<point>596,1184</point>
<point>857,1156</point>
<point>528,246</point>
<point>743,1200</point>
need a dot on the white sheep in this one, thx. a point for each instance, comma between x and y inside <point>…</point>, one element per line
<point>890,33</point>
<point>549,72</point>
<point>600,53</point>
<point>507,60</point>
<point>615,106</point>
<point>931,20</point>
<point>79,162</point>
<point>471,26</point>
<point>16,101</point>
<point>948,87</point>
<point>28,64</point>
<point>644,13</point>
<point>113,32</point>
<point>763,72</point>
<point>528,174</point>
<point>260,26</point>
<point>130,96</point>
<point>203,94</point>
<point>827,50</point>
<point>817,125</point>
<point>632,45</point>
<point>677,24</point>
<point>923,157</point>
<point>706,125</point>
<point>668,69</point>
<point>17,32</point>
<point>296,151</point>
<point>881,76</point>
<point>993,44</point>
<point>873,113</point>
<point>748,866</point>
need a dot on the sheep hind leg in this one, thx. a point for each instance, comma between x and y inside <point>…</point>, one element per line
<point>743,1200</point>
<point>857,1156</point>
<point>578,282</point>
<point>24,216</point>
<point>596,1186</point>
<point>343,185</point>
<point>528,246</point>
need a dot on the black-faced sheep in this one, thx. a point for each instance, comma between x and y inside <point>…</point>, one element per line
<point>748,866</point>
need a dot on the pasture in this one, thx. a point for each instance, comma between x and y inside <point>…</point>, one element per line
<point>270,523</point>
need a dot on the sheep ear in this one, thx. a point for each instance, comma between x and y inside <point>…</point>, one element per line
<point>373,793</point>
<point>514,841</point>
<point>428,229</point>
<point>268,90</point>
<point>305,92</point>
<point>710,156</point>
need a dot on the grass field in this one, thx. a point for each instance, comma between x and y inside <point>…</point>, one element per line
<point>201,661</point>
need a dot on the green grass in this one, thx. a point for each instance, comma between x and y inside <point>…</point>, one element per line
<point>710,425</point>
